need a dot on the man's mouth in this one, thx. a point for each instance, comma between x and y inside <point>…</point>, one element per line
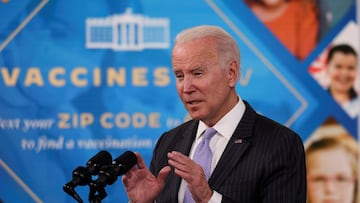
<point>193,102</point>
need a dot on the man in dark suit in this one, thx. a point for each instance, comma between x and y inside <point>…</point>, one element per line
<point>253,158</point>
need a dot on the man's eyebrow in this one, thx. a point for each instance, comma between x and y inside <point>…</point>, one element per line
<point>197,67</point>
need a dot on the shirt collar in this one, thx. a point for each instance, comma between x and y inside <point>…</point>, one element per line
<point>227,124</point>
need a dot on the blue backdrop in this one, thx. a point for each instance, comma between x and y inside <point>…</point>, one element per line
<point>77,77</point>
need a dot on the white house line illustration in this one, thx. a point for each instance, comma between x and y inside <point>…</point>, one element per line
<point>127,31</point>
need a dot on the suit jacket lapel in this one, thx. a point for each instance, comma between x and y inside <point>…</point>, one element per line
<point>235,149</point>
<point>186,138</point>
<point>183,144</point>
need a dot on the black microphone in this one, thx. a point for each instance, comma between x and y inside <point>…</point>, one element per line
<point>94,164</point>
<point>82,175</point>
<point>108,174</point>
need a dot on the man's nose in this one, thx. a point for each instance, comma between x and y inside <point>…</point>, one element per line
<point>188,84</point>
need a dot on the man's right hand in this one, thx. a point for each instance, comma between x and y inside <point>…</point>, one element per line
<point>141,185</point>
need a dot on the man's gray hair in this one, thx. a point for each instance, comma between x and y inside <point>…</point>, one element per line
<point>227,46</point>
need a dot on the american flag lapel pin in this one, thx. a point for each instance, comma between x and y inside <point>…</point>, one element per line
<point>238,141</point>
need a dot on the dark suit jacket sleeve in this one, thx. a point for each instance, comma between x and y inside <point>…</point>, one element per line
<point>285,179</point>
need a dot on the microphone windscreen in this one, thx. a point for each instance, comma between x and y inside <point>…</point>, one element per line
<point>100,159</point>
<point>125,162</point>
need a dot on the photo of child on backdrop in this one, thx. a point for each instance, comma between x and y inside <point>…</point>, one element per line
<point>332,165</point>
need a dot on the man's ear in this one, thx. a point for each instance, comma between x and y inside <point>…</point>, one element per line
<point>233,73</point>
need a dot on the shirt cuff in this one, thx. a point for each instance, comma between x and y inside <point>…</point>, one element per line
<point>215,198</point>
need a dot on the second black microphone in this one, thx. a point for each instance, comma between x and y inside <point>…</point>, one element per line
<point>109,174</point>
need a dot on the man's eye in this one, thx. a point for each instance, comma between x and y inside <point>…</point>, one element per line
<point>179,76</point>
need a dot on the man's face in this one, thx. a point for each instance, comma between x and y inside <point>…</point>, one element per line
<point>203,86</point>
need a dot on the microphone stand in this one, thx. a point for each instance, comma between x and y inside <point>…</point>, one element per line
<point>96,194</point>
